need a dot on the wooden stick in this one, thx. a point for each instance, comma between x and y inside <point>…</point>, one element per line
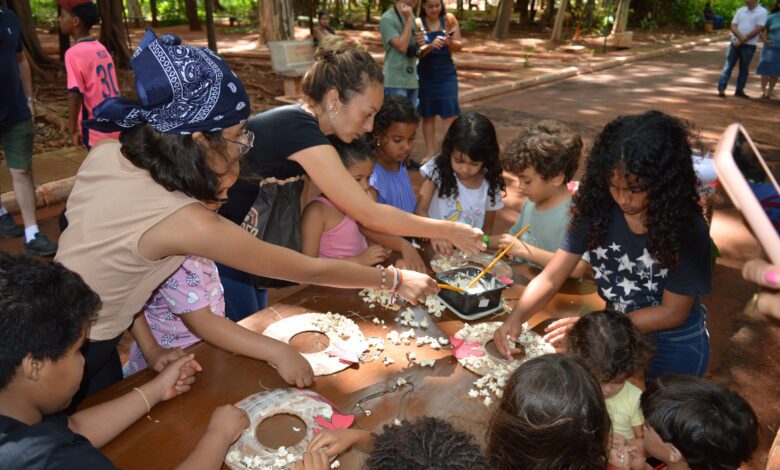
<point>453,288</point>
<point>500,255</point>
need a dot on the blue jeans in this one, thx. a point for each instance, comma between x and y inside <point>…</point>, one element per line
<point>742,54</point>
<point>241,297</point>
<point>684,350</point>
<point>411,93</point>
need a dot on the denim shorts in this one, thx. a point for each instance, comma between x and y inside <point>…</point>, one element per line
<point>684,350</point>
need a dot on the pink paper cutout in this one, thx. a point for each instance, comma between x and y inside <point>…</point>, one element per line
<point>461,349</point>
<point>344,351</point>
<point>337,421</point>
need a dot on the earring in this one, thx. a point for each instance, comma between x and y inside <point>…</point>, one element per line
<point>332,113</point>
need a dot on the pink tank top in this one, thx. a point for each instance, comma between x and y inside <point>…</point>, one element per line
<point>342,241</point>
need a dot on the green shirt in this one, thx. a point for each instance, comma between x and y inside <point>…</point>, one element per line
<point>773,27</point>
<point>547,227</point>
<point>400,71</point>
<point>624,410</point>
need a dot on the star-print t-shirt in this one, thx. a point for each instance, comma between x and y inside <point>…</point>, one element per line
<point>627,275</point>
<point>196,285</point>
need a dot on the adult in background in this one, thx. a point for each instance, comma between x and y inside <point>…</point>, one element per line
<point>436,70</point>
<point>746,26</point>
<point>401,40</point>
<point>16,136</point>
<point>769,65</point>
<point>342,92</point>
<point>323,27</point>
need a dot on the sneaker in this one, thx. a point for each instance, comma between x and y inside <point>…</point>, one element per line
<point>741,94</point>
<point>40,245</point>
<point>8,227</point>
<point>721,93</point>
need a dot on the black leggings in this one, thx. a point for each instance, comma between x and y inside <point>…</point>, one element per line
<point>102,367</point>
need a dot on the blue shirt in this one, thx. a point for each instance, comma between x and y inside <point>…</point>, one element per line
<point>13,101</point>
<point>394,187</point>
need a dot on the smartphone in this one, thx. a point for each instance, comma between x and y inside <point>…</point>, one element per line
<point>451,33</point>
<point>752,186</point>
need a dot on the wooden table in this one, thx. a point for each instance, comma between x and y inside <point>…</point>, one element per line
<point>226,378</point>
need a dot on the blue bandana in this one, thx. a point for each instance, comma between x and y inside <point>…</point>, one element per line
<point>183,89</point>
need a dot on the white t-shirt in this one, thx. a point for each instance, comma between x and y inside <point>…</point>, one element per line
<point>747,20</point>
<point>469,207</point>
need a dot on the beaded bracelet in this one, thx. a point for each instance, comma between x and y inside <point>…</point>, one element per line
<point>384,278</point>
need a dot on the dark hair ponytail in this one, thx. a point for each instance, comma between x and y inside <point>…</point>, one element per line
<point>342,67</point>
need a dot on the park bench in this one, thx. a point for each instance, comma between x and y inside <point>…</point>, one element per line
<point>291,60</point>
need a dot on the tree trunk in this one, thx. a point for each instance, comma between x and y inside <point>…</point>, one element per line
<point>153,8</point>
<point>503,17</point>
<point>218,6</point>
<point>191,7</point>
<point>460,9</point>
<point>557,32</point>
<point>338,10</point>
<point>532,12</point>
<point>212,36</point>
<point>32,45</point>
<point>621,17</point>
<point>548,14</point>
<point>523,7</point>
<point>589,14</point>
<point>276,21</point>
<point>63,39</point>
<point>113,34</point>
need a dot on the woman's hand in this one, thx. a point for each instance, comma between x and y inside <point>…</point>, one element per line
<point>337,441</point>
<point>466,238</point>
<point>292,367</point>
<point>765,275</point>
<point>416,287</point>
<point>442,247</point>
<point>412,259</point>
<point>557,330</point>
<point>374,254</point>
<point>509,330</point>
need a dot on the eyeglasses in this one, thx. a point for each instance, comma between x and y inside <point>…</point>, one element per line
<point>246,142</point>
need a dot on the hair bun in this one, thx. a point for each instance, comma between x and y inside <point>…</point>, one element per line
<point>330,46</point>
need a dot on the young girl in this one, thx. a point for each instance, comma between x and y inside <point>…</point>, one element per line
<point>615,350</point>
<point>395,128</point>
<point>464,183</point>
<point>327,232</point>
<point>551,415</point>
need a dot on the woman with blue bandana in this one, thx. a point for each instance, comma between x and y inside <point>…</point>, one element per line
<point>140,204</point>
<point>342,92</point>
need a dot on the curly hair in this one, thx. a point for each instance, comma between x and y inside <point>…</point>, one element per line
<point>351,153</point>
<point>475,136</point>
<point>395,108</point>
<point>426,444</point>
<point>551,416</point>
<point>550,147</point>
<point>45,308</point>
<point>654,149</point>
<point>711,426</point>
<point>610,343</point>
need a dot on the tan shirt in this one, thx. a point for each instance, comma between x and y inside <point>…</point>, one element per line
<point>112,204</point>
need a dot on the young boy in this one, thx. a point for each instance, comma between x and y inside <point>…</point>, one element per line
<point>45,311</point>
<point>637,213</point>
<point>543,157</point>
<point>691,423</point>
<point>90,69</point>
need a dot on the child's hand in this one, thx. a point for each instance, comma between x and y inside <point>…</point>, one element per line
<point>337,441</point>
<point>412,259</point>
<point>466,238</point>
<point>228,422</point>
<point>442,246</point>
<point>557,330</point>
<point>765,275</point>
<point>313,461</point>
<point>168,383</point>
<point>510,329</point>
<point>292,367</point>
<point>160,358</point>
<point>416,287</point>
<point>374,255</point>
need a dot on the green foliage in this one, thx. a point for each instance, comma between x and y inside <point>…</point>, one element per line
<point>648,24</point>
<point>468,25</point>
<point>688,13</point>
<point>44,12</point>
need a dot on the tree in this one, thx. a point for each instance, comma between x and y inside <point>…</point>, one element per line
<point>559,18</point>
<point>153,7</point>
<point>276,20</point>
<point>113,33</point>
<point>32,45</point>
<point>191,9</point>
<point>621,17</point>
<point>503,17</point>
<point>212,36</point>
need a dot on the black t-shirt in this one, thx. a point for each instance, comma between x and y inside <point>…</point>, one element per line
<point>279,133</point>
<point>49,444</point>
<point>13,101</point>
<point>629,278</point>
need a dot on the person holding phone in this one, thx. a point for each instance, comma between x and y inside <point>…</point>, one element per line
<point>401,41</point>
<point>436,70</point>
<point>747,23</point>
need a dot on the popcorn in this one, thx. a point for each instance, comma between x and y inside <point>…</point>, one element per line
<point>367,412</point>
<point>388,360</point>
<point>338,324</point>
<point>429,363</point>
<point>487,401</point>
<point>397,422</point>
<point>473,393</point>
<point>376,321</point>
<point>335,464</point>
<point>400,382</point>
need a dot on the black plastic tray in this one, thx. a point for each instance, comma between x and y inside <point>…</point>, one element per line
<point>470,305</point>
